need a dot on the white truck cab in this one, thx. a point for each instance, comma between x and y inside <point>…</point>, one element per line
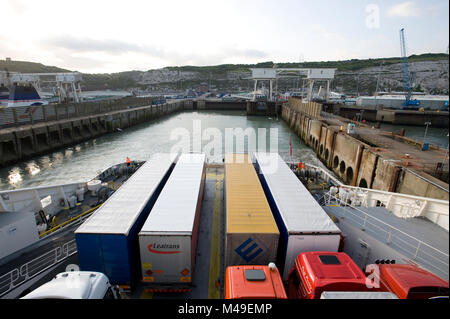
<point>76,285</point>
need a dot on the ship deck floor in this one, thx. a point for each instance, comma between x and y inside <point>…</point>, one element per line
<point>50,241</point>
<point>403,235</point>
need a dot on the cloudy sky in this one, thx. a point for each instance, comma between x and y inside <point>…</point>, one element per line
<point>102,36</point>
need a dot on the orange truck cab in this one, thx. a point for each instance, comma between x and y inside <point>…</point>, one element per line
<point>254,282</point>
<point>316,272</point>
<point>410,282</point>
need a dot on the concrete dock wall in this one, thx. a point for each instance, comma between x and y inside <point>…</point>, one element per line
<point>366,172</point>
<point>386,175</point>
<point>219,105</point>
<point>261,108</point>
<point>354,161</point>
<point>30,131</point>
<point>413,183</point>
<point>22,115</point>
<point>26,141</point>
<point>438,119</point>
<point>310,108</point>
<point>347,153</point>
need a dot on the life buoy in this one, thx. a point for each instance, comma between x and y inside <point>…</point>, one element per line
<point>62,202</point>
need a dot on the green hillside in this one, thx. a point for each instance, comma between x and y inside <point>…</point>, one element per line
<point>346,65</point>
<point>28,67</point>
<point>130,79</point>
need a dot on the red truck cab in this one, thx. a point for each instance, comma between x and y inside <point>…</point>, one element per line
<point>411,282</point>
<point>316,272</point>
<point>254,282</point>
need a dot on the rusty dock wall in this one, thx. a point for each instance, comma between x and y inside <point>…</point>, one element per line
<point>30,131</point>
<point>355,162</point>
<point>43,129</point>
<point>439,119</point>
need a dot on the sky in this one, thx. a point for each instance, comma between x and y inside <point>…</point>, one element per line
<point>105,36</point>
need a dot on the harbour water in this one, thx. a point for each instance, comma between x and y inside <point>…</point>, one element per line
<point>435,136</point>
<point>84,161</point>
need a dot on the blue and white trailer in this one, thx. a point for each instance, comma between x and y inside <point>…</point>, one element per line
<point>168,238</point>
<point>107,242</point>
<point>303,224</point>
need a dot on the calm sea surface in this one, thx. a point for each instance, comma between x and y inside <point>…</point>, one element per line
<point>84,161</point>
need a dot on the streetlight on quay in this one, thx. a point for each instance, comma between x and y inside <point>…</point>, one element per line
<point>440,166</point>
<point>425,145</point>
<point>446,154</point>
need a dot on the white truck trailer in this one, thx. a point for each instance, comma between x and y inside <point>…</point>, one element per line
<point>304,226</point>
<point>168,238</point>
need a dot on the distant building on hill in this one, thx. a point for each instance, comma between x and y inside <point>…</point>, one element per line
<point>203,87</point>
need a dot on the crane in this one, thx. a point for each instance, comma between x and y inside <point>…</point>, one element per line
<point>405,74</point>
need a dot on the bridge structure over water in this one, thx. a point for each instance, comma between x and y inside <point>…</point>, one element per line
<point>273,75</point>
<point>68,84</point>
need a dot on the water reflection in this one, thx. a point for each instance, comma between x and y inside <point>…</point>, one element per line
<point>82,162</point>
<point>58,158</point>
<point>436,136</point>
<point>15,177</point>
<point>45,162</point>
<point>68,153</point>
<point>32,168</point>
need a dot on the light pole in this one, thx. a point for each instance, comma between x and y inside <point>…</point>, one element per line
<point>426,130</point>
<point>441,166</point>
<point>446,154</point>
<point>357,85</point>
<point>424,148</point>
<point>376,89</point>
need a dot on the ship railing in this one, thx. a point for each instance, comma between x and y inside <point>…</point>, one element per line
<point>45,198</point>
<point>23,115</point>
<point>35,267</point>
<point>322,200</point>
<point>410,246</point>
<point>402,205</point>
<point>324,174</point>
<point>76,220</point>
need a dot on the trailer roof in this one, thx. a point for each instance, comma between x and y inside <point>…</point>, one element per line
<point>119,213</point>
<point>247,208</point>
<point>299,210</point>
<point>175,209</point>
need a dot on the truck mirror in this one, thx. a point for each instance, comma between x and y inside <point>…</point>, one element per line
<point>116,291</point>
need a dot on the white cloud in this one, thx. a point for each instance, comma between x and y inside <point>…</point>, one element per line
<point>16,6</point>
<point>111,36</point>
<point>118,55</point>
<point>410,9</point>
